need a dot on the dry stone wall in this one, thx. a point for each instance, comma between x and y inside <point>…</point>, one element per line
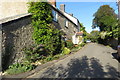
<point>16,35</point>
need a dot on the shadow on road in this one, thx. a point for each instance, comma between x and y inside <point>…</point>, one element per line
<point>115,56</point>
<point>81,68</point>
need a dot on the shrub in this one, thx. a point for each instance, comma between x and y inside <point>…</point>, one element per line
<point>82,44</point>
<point>94,36</point>
<point>34,53</point>
<point>58,56</point>
<point>66,51</point>
<point>78,47</point>
<point>69,44</point>
<point>49,58</point>
<point>19,68</point>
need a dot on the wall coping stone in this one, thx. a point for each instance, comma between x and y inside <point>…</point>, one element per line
<point>7,19</point>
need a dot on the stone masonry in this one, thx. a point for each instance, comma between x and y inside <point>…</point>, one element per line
<point>16,35</point>
<point>0,46</point>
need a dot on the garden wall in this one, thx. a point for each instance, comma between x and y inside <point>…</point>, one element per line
<point>16,35</point>
<point>113,43</point>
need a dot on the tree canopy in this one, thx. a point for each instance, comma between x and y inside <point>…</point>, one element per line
<point>106,19</point>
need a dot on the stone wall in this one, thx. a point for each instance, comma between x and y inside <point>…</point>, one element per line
<point>113,43</point>
<point>0,47</point>
<point>70,30</point>
<point>16,34</point>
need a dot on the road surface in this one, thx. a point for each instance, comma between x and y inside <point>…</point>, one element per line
<point>92,61</point>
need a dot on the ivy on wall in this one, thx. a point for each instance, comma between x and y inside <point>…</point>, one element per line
<point>44,32</point>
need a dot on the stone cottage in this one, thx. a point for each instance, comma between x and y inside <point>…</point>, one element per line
<point>66,22</point>
<point>16,29</point>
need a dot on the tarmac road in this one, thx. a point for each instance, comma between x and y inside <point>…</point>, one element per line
<point>92,61</point>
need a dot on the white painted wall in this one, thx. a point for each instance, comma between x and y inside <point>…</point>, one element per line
<point>75,39</point>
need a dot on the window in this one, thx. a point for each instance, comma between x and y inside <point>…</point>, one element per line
<point>55,15</point>
<point>66,23</point>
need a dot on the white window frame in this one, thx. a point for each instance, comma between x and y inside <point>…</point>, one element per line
<point>56,16</point>
<point>66,23</point>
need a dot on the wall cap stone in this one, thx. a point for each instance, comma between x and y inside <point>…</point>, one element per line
<point>14,17</point>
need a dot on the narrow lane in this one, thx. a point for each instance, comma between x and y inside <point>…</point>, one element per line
<point>92,61</point>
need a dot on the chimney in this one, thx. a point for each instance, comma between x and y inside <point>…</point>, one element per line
<point>52,2</point>
<point>71,14</point>
<point>62,7</point>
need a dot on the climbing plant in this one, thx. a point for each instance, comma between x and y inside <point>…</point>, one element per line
<point>44,32</point>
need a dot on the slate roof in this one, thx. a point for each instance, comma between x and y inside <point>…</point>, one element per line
<point>68,16</point>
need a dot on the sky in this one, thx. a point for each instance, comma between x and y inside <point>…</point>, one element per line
<point>84,11</point>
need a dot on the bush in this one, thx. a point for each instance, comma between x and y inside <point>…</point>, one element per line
<point>69,44</point>
<point>93,36</point>
<point>53,57</point>
<point>66,51</point>
<point>78,47</point>
<point>82,44</point>
<point>19,68</point>
<point>34,53</point>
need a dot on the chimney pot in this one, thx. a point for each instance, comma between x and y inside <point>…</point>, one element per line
<point>62,7</point>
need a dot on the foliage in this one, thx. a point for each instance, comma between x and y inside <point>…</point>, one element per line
<point>82,44</point>
<point>19,68</point>
<point>82,28</point>
<point>41,12</point>
<point>106,19</point>
<point>103,35</point>
<point>69,44</point>
<point>75,49</point>
<point>66,51</point>
<point>45,33</point>
<point>119,32</point>
<point>94,36</point>
<point>49,58</point>
<point>34,53</point>
<point>78,47</point>
<point>54,57</point>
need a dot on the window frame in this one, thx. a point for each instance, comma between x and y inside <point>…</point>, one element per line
<point>66,23</point>
<point>55,15</point>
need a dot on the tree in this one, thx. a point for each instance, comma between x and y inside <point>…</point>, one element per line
<point>94,36</point>
<point>82,28</point>
<point>106,19</point>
